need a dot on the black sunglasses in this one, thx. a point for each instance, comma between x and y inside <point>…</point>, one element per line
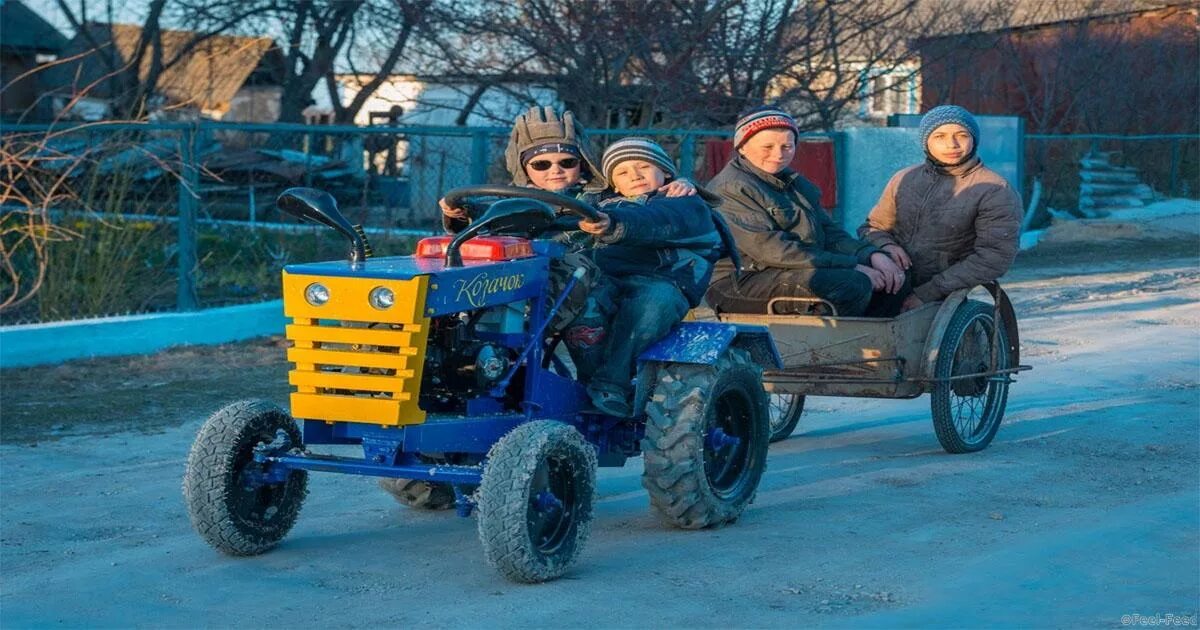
<point>544,165</point>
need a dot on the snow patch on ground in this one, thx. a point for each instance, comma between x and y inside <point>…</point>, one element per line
<point>1164,220</point>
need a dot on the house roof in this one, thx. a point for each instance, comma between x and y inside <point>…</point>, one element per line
<point>1022,14</point>
<point>23,30</point>
<point>207,76</point>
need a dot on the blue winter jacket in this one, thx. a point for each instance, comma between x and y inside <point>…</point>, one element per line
<point>675,238</point>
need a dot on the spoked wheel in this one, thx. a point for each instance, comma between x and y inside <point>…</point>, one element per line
<point>967,411</point>
<point>535,500</point>
<point>785,412</point>
<point>229,506</point>
<point>706,440</point>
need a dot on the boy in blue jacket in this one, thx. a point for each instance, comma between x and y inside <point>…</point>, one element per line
<point>657,253</point>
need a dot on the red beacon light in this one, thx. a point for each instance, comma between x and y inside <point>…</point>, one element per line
<point>478,248</point>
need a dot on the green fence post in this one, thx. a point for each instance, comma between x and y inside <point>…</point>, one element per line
<point>1174,165</point>
<point>687,156</point>
<point>185,297</point>
<point>309,138</point>
<point>479,157</point>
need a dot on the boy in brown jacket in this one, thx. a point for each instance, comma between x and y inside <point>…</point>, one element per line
<point>950,221</point>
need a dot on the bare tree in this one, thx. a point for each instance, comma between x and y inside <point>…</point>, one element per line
<point>692,62</point>
<point>320,34</point>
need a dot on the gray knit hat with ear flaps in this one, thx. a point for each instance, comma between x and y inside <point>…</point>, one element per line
<point>541,125</point>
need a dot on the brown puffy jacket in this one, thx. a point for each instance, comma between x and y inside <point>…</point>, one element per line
<point>960,225</point>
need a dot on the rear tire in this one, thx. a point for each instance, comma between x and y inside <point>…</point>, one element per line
<point>785,412</point>
<point>535,500</point>
<point>967,412</point>
<point>706,440</point>
<point>233,516</point>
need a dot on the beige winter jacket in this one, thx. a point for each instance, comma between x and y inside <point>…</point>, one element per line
<point>960,225</point>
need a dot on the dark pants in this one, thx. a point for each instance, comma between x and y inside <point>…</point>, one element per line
<point>644,309</point>
<point>848,290</point>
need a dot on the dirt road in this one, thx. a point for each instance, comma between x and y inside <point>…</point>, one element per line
<point>1084,509</point>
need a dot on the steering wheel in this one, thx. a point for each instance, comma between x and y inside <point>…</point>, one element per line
<point>456,197</point>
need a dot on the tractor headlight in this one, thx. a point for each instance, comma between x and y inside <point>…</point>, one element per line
<point>382,298</point>
<point>316,294</point>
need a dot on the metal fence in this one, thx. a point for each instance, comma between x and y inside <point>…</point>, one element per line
<point>179,216</point>
<point>1168,164</point>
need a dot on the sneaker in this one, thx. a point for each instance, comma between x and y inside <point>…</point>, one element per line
<point>610,402</point>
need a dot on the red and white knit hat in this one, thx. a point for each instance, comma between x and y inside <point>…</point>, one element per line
<point>759,119</point>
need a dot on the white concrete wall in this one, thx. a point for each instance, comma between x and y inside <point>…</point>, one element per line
<point>871,155</point>
<point>41,344</point>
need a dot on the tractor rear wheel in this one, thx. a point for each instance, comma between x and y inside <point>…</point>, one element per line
<point>535,500</point>
<point>706,440</point>
<point>228,507</point>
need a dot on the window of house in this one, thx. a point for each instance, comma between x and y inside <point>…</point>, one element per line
<point>889,93</point>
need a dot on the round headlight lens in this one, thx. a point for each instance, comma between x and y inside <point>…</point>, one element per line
<point>382,298</point>
<point>316,294</point>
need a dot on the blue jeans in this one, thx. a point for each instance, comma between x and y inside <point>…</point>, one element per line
<point>645,309</point>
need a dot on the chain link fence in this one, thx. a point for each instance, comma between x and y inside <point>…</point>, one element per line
<point>123,218</point>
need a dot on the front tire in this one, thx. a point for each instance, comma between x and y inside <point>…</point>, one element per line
<point>535,500</point>
<point>967,412</point>
<point>706,440</point>
<point>230,513</point>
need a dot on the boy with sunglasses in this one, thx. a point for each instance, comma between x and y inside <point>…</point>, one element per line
<point>551,153</point>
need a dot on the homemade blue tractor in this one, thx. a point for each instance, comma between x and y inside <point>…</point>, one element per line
<point>444,367</point>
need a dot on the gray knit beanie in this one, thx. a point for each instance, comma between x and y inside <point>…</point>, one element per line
<point>948,115</point>
<point>637,148</point>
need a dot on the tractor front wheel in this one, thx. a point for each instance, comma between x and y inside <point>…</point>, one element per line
<point>229,506</point>
<point>535,500</point>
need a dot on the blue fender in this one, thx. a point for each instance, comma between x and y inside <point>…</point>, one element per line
<point>703,342</point>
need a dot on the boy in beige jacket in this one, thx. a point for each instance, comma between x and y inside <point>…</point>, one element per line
<point>951,222</point>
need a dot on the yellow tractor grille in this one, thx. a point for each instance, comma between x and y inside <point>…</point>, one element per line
<point>347,370</point>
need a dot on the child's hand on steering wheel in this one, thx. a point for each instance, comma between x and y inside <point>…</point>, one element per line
<point>596,228</point>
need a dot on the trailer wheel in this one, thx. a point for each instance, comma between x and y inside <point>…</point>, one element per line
<point>535,500</point>
<point>785,415</point>
<point>706,440</point>
<point>967,412</point>
<point>420,494</point>
<point>229,513</point>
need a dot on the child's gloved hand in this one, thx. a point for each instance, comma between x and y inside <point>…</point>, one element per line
<point>678,188</point>
<point>453,213</point>
<point>596,228</point>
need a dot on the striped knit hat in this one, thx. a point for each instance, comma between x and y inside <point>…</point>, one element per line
<point>760,118</point>
<point>636,148</point>
<point>948,115</point>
